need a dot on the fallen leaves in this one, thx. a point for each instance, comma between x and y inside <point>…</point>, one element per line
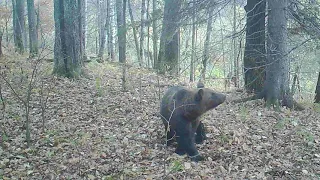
<point>96,131</point>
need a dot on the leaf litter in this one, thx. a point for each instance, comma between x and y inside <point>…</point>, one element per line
<point>94,130</point>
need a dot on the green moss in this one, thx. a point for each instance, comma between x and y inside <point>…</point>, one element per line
<point>72,73</point>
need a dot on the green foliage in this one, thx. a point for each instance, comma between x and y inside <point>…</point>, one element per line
<point>176,166</point>
<point>217,72</point>
<point>99,88</point>
<point>50,153</point>
<point>110,177</point>
<point>4,137</point>
<point>244,113</point>
<point>74,72</point>
<point>281,123</point>
<point>306,135</point>
<point>14,116</point>
<point>316,107</point>
<point>224,138</point>
<point>50,137</point>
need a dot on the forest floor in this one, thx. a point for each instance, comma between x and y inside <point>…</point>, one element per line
<point>94,130</point>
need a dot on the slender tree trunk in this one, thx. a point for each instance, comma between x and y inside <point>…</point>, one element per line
<point>226,80</point>
<point>82,26</point>
<point>108,28</point>
<point>38,27</point>
<point>85,26</point>
<point>148,36</point>
<point>169,41</point>
<point>236,62</point>
<point>33,31</point>
<point>110,34</point>
<point>317,97</point>
<point>134,32</point>
<point>121,23</point>
<point>254,54</point>
<point>18,24</point>
<point>155,34</point>
<point>99,22</point>
<point>206,44</point>
<point>193,43</point>
<point>143,21</point>
<point>6,24</point>
<point>102,27</point>
<point>1,35</point>
<point>277,77</point>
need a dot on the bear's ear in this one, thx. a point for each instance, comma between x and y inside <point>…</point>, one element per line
<point>199,95</point>
<point>200,84</point>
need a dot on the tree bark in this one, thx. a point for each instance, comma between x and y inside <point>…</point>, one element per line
<point>82,29</point>
<point>18,24</point>
<point>1,35</point>
<point>121,23</point>
<point>206,44</point>
<point>134,32</point>
<point>254,54</point>
<point>277,77</point>
<point>103,20</point>
<point>155,34</point>
<point>234,48</point>
<point>6,24</point>
<point>67,49</point>
<point>317,97</point>
<point>110,31</point>
<point>143,21</point>
<point>33,31</point>
<point>149,63</point>
<point>276,91</point>
<point>193,44</point>
<point>169,41</point>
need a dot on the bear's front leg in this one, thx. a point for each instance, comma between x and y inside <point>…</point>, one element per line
<point>185,141</point>
<point>200,134</point>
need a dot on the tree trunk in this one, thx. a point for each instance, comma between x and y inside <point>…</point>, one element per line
<point>33,31</point>
<point>100,22</point>
<point>82,26</point>
<point>121,23</point>
<point>143,21</point>
<point>317,97</point>
<point>107,27</point>
<point>134,32</point>
<point>254,54</point>
<point>148,37</point>
<point>18,24</point>
<point>169,41</point>
<point>155,34</point>
<point>110,31</point>
<point>277,77</point>
<point>193,44</point>
<point>1,35</point>
<point>206,44</point>
<point>234,48</point>
<point>103,20</point>
<point>67,48</point>
<point>6,23</point>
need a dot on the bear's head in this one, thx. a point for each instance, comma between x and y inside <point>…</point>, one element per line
<point>209,99</point>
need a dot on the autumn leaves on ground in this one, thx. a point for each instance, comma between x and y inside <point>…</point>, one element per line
<point>94,130</point>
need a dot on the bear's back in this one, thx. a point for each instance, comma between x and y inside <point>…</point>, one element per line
<point>175,99</point>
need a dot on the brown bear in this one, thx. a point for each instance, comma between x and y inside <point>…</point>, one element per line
<point>180,111</point>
